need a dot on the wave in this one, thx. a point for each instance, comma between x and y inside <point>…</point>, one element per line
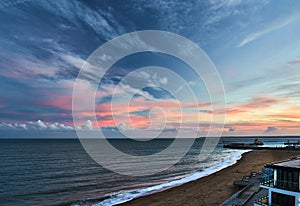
<point>125,196</point>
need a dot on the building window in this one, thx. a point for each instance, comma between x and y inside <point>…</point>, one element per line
<point>287,179</point>
<point>279,199</point>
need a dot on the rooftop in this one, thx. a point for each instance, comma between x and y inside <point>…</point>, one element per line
<point>292,163</point>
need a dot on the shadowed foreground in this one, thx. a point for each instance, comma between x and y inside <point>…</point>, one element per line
<point>216,188</point>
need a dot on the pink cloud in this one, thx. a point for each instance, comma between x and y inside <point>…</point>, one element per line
<point>256,103</point>
<point>62,102</point>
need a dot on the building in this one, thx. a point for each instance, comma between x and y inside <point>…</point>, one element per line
<point>282,184</point>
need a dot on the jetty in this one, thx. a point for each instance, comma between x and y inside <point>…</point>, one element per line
<point>258,145</point>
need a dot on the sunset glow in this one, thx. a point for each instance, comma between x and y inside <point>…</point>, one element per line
<point>254,46</point>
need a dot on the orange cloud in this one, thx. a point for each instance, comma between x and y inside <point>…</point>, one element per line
<point>136,113</point>
<point>254,104</point>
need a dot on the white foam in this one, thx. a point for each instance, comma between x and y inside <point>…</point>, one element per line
<point>125,196</point>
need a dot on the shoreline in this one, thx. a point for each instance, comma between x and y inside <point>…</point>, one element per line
<point>215,188</point>
<point>142,192</point>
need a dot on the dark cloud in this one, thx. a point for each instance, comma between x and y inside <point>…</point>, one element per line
<point>143,113</point>
<point>295,61</point>
<point>271,129</point>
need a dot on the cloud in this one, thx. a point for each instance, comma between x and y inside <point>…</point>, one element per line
<point>254,104</point>
<point>220,10</point>
<point>9,126</point>
<point>58,126</point>
<point>73,60</point>
<point>87,126</point>
<point>268,29</point>
<point>271,129</point>
<point>295,61</point>
<point>38,125</point>
<point>157,80</point>
<point>41,125</point>
<point>44,126</point>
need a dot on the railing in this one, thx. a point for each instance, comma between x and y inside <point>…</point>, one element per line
<point>286,185</point>
<point>262,201</point>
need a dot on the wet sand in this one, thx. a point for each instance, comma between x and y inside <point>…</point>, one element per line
<point>216,188</point>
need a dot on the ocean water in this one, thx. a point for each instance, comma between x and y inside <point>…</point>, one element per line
<point>60,172</point>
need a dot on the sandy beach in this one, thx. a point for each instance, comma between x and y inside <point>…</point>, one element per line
<point>216,188</point>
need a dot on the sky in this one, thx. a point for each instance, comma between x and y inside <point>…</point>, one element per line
<point>254,46</point>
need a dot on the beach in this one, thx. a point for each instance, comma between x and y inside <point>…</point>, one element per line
<point>215,188</point>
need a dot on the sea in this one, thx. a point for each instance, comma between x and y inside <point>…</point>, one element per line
<point>60,172</point>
